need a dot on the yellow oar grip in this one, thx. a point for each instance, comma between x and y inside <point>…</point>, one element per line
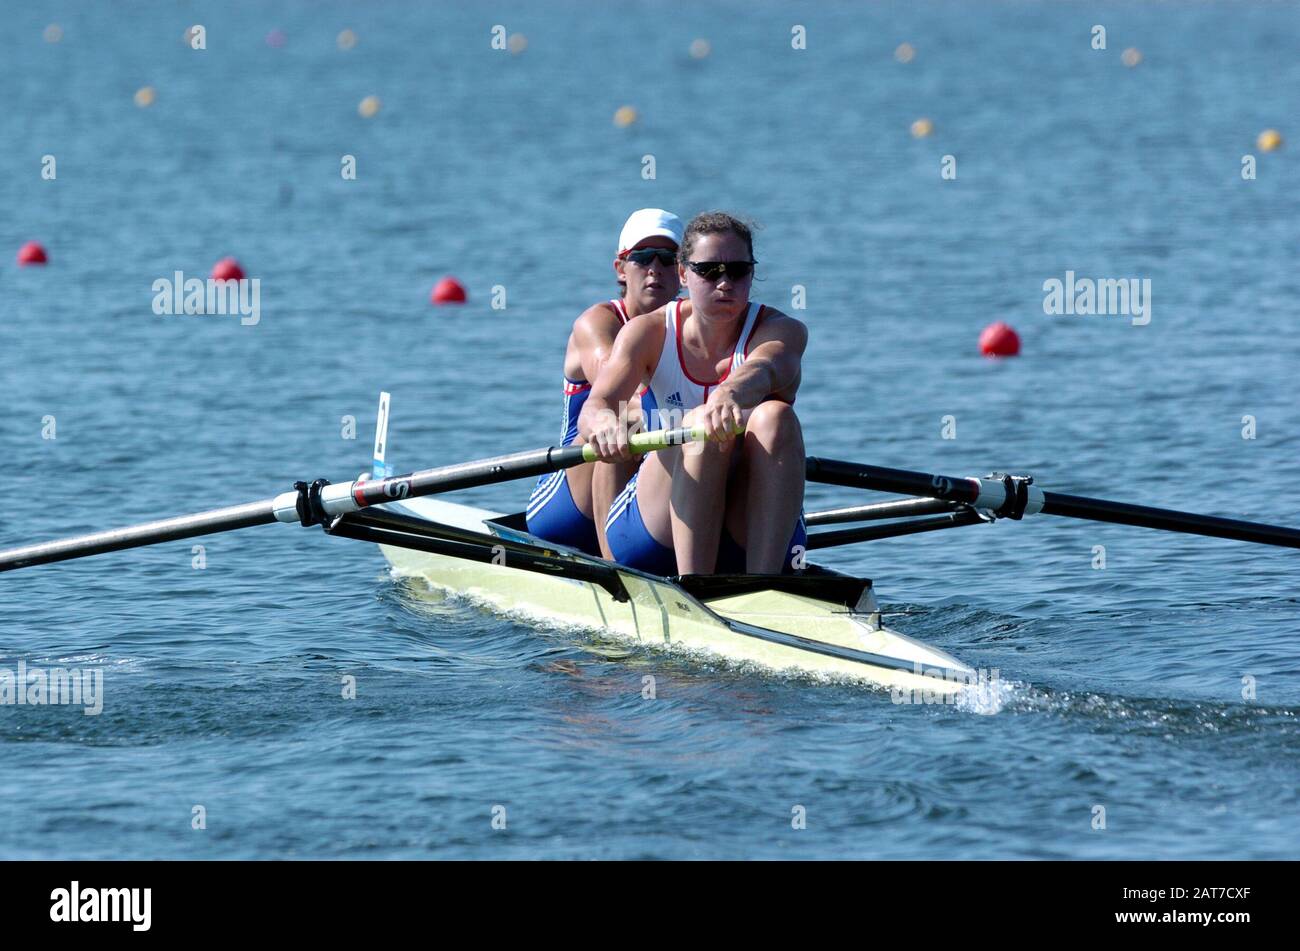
<point>659,439</point>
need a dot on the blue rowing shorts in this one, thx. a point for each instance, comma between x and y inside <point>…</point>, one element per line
<point>553,515</point>
<point>631,543</point>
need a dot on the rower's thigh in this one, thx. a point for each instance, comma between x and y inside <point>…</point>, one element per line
<point>580,486</point>
<point>654,486</point>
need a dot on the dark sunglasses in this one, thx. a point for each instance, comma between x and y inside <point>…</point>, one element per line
<point>643,256</point>
<point>713,270</point>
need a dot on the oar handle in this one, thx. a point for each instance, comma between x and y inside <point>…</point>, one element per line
<point>641,443</point>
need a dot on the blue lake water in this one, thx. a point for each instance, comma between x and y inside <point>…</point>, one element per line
<point>1123,686</point>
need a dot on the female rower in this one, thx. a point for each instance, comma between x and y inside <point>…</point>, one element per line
<point>715,360</point>
<point>569,506</point>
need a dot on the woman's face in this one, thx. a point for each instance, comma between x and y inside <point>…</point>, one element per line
<point>723,296</point>
<point>653,283</point>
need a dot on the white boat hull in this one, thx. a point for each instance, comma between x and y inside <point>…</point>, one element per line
<point>777,630</point>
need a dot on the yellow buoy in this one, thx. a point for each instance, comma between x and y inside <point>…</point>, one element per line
<point>1131,56</point>
<point>145,96</point>
<point>1269,140</point>
<point>517,43</point>
<point>700,49</point>
<point>921,128</point>
<point>53,33</point>
<point>369,107</point>
<point>624,117</point>
<point>346,40</point>
<point>905,53</point>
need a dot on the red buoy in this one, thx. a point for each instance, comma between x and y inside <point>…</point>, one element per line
<point>999,340</point>
<point>227,269</point>
<point>31,253</point>
<point>448,291</point>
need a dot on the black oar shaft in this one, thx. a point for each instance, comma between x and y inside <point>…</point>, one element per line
<point>900,481</point>
<point>968,491</point>
<point>1142,516</point>
<point>519,465</point>
<point>872,533</point>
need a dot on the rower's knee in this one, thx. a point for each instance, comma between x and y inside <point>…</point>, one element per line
<point>774,423</point>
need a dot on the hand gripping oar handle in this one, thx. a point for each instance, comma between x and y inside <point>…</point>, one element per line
<point>313,503</point>
<point>641,443</point>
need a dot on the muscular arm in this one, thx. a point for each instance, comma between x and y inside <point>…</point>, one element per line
<point>630,362</point>
<point>772,367</point>
<point>594,333</point>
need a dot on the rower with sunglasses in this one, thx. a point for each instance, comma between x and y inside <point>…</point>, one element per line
<point>716,359</point>
<point>569,506</point>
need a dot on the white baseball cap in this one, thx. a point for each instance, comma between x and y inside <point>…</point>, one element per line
<point>649,223</point>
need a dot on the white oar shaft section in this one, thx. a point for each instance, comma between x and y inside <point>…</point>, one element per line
<point>147,533</point>
<point>324,500</point>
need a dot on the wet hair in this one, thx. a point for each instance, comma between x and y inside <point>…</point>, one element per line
<point>715,222</point>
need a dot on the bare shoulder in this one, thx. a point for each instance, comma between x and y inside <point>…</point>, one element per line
<point>776,325</point>
<point>600,319</point>
<point>646,329</point>
<point>640,342</point>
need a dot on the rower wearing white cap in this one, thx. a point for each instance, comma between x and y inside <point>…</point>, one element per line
<point>569,506</point>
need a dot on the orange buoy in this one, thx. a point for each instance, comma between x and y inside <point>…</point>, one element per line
<point>31,253</point>
<point>227,269</point>
<point>448,291</point>
<point>999,340</point>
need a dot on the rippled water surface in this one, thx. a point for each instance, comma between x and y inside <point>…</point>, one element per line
<point>1122,687</point>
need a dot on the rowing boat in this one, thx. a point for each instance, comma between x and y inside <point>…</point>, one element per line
<point>815,621</point>
<point>818,622</point>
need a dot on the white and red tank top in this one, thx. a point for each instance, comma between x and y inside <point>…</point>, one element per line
<point>672,391</point>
